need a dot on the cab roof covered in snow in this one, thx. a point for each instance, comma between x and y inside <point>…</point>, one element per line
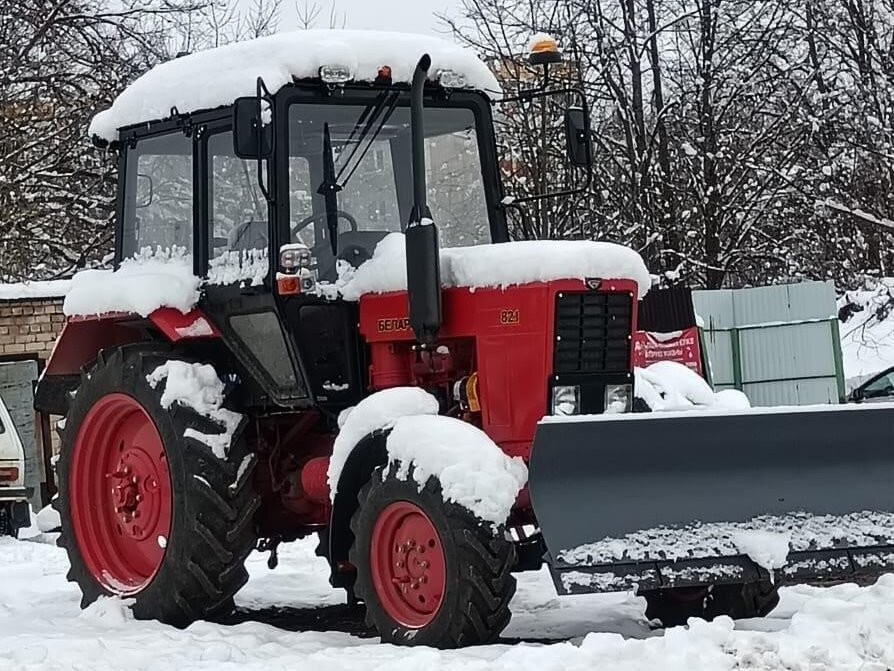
<point>213,78</point>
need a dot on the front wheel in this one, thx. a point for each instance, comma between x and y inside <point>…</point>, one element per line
<point>429,571</point>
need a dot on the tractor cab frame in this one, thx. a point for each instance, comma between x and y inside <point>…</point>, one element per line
<point>317,168</point>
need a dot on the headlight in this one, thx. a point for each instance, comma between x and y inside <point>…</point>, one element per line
<point>336,74</point>
<point>566,400</point>
<point>618,398</point>
<point>450,79</point>
<point>295,256</point>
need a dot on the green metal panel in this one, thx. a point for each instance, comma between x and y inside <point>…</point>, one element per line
<point>779,344</point>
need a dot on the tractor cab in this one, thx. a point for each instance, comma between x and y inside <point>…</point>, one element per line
<point>281,195</point>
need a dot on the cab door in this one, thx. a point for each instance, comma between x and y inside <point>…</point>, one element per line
<point>235,246</point>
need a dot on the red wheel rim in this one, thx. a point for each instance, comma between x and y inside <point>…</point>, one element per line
<point>407,564</point>
<point>120,494</point>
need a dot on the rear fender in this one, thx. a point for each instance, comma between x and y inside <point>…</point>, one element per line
<point>82,339</point>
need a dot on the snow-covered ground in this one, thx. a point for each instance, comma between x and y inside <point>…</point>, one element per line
<point>42,627</point>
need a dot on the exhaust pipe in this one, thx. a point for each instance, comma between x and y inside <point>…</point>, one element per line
<point>423,253</point>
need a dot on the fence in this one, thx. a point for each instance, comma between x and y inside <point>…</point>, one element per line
<point>780,344</point>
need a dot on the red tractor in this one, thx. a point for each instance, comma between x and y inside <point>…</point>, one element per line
<point>200,429</point>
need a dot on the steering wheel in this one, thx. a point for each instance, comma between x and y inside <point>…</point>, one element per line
<point>321,216</point>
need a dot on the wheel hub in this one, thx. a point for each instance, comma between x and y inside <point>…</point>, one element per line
<point>120,494</point>
<point>136,498</point>
<point>407,564</point>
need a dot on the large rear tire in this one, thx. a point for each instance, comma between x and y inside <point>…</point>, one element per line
<point>146,512</point>
<point>429,571</point>
<point>674,607</point>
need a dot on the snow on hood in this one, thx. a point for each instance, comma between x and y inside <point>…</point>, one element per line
<point>499,265</point>
<point>213,78</point>
<point>141,285</point>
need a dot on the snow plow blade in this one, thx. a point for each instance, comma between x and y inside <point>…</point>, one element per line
<point>685,499</point>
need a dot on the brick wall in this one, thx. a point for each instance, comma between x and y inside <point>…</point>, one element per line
<point>28,328</point>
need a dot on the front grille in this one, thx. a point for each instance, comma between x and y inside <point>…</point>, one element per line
<point>592,332</point>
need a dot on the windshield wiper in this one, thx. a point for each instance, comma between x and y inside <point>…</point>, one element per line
<point>329,190</point>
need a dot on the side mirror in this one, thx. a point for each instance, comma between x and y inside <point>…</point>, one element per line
<point>857,395</point>
<point>252,139</point>
<point>577,130</point>
<point>145,191</point>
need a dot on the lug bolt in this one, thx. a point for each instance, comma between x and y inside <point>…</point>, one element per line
<point>423,564</point>
<point>399,564</point>
<point>139,497</point>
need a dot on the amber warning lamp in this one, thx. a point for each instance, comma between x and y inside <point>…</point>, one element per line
<point>543,50</point>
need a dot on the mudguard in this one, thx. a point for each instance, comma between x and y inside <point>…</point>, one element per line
<point>672,499</point>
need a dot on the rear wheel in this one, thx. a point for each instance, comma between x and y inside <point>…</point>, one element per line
<point>146,512</point>
<point>429,571</point>
<point>674,607</point>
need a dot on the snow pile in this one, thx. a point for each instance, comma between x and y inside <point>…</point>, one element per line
<point>141,285</point>
<point>668,386</point>
<point>42,627</point>
<point>500,265</point>
<point>766,549</point>
<point>867,330</point>
<point>37,289</point>
<point>48,519</point>
<point>248,265</point>
<point>472,470</point>
<point>801,532</point>
<point>374,413</point>
<point>197,386</point>
<point>212,78</point>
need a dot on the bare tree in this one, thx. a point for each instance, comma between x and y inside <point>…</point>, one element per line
<point>60,62</point>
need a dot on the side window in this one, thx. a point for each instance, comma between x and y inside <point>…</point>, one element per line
<point>237,208</point>
<point>237,217</point>
<point>159,194</point>
<point>456,189</point>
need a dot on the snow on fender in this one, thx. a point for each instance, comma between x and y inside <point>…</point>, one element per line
<point>472,470</point>
<point>376,412</point>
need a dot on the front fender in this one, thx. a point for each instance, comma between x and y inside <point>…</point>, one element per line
<point>367,455</point>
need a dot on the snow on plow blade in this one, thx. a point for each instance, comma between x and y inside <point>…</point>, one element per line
<point>694,498</point>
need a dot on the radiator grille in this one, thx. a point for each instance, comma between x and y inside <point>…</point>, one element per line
<point>592,330</point>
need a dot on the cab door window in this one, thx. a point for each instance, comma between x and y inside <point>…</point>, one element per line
<point>237,216</point>
<point>158,209</point>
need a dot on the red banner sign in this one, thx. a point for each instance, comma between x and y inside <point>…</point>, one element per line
<point>681,347</point>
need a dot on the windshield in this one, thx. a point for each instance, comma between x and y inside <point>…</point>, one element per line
<point>367,175</point>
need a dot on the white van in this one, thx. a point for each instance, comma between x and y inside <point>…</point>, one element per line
<point>14,510</point>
